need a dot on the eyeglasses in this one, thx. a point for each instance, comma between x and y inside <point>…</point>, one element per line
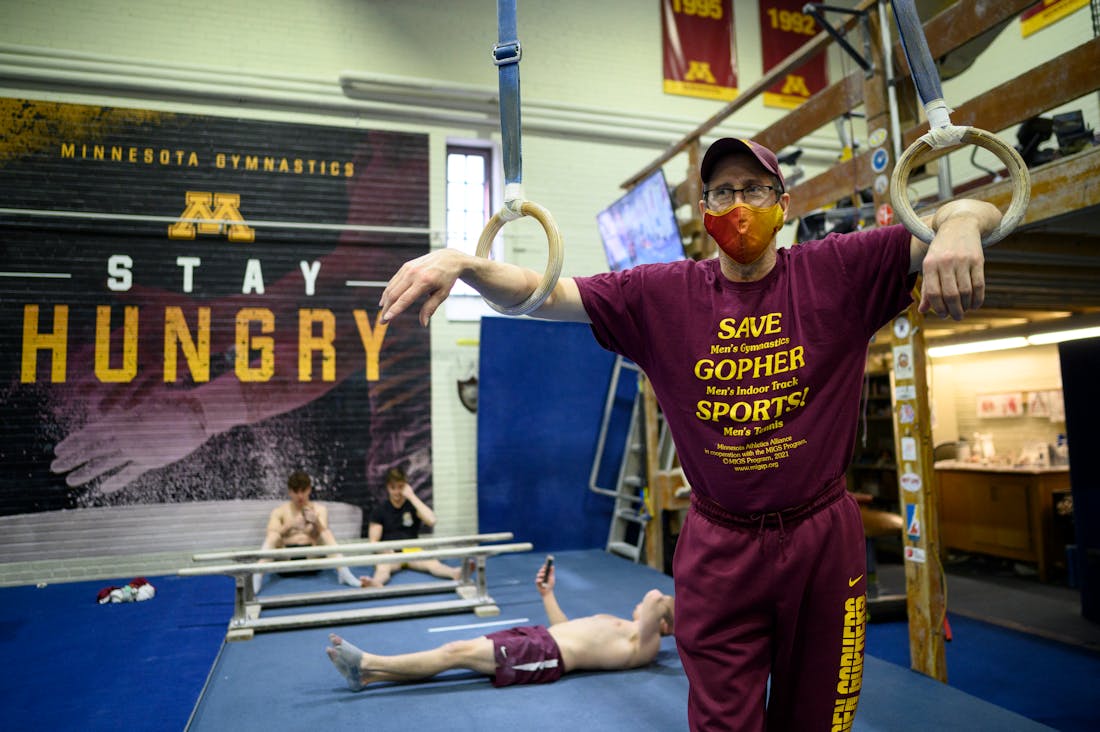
<point>723,196</point>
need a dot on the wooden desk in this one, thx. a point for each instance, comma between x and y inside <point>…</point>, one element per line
<point>1005,512</point>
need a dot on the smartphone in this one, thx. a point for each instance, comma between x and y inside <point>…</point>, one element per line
<point>547,567</point>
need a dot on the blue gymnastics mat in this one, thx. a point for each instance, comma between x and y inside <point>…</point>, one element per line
<point>284,681</point>
<point>72,664</point>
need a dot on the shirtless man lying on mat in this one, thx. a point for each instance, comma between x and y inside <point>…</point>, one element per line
<point>525,654</point>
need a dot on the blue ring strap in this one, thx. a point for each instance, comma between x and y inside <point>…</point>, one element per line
<point>506,55</point>
<point>915,45</point>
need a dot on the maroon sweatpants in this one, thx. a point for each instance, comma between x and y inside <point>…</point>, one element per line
<point>780,595</point>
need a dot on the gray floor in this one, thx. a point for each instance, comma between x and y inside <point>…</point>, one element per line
<point>1001,593</point>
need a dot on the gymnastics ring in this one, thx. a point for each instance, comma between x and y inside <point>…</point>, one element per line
<point>553,262</point>
<point>1021,179</point>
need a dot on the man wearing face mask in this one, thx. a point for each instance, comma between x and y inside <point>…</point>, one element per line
<point>757,359</point>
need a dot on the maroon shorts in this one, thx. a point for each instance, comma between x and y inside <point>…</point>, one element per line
<point>526,655</point>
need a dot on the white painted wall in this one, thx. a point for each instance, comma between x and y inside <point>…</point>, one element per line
<point>959,381</point>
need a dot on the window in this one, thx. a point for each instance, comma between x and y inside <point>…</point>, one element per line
<point>470,196</point>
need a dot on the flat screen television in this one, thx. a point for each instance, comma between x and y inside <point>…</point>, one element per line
<point>641,227</point>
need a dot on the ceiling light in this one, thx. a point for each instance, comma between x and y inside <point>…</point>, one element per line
<point>996,344</point>
<point>1058,336</point>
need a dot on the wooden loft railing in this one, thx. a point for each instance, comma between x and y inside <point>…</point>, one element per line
<point>1034,91</point>
<point>1059,81</point>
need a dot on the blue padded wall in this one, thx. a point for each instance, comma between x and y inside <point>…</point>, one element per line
<point>541,393</point>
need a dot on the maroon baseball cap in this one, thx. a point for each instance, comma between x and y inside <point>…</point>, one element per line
<point>732,146</point>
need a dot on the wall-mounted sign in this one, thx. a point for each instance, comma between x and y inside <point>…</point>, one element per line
<point>996,406</point>
<point>1044,13</point>
<point>698,49</point>
<point>785,28</point>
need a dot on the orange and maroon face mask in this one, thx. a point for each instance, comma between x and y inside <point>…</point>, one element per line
<point>742,231</point>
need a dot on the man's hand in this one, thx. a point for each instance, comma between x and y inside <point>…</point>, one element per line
<point>432,275</point>
<point>544,580</point>
<point>954,271</point>
<point>407,491</point>
<point>954,264</point>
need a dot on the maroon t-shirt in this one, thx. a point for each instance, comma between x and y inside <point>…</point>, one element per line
<point>759,381</point>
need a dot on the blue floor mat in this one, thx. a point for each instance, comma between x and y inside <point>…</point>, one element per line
<point>76,665</point>
<point>1046,681</point>
<point>284,681</point>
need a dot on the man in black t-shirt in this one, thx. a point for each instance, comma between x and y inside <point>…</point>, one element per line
<point>399,519</point>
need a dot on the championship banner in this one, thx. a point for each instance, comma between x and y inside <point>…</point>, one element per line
<point>1047,12</point>
<point>698,48</point>
<point>784,29</point>
<point>189,308</point>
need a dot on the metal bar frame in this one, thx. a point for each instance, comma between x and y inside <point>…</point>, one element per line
<point>472,590</point>
<point>355,547</point>
<point>293,565</point>
<point>353,595</point>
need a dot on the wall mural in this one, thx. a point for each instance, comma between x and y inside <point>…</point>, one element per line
<point>189,308</point>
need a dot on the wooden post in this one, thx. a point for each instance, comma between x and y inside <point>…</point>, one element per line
<point>912,415</point>
<point>654,533</point>
<point>917,494</point>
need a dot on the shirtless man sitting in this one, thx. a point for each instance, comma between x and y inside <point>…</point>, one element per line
<point>525,654</point>
<point>300,522</point>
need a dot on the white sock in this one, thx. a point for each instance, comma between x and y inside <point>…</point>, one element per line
<point>347,578</point>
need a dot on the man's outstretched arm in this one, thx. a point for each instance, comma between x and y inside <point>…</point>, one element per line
<point>432,276</point>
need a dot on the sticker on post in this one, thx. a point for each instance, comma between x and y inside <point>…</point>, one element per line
<point>879,159</point>
<point>914,554</point>
<point>903,362</point>
<point>910,482</point>
<point>877,138</point>
<point>908,448</point>
<point>901,327</point>
<point>885,215</point>
<point>906,415</point>
<point>902,393</point>
<point>912,521</point>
